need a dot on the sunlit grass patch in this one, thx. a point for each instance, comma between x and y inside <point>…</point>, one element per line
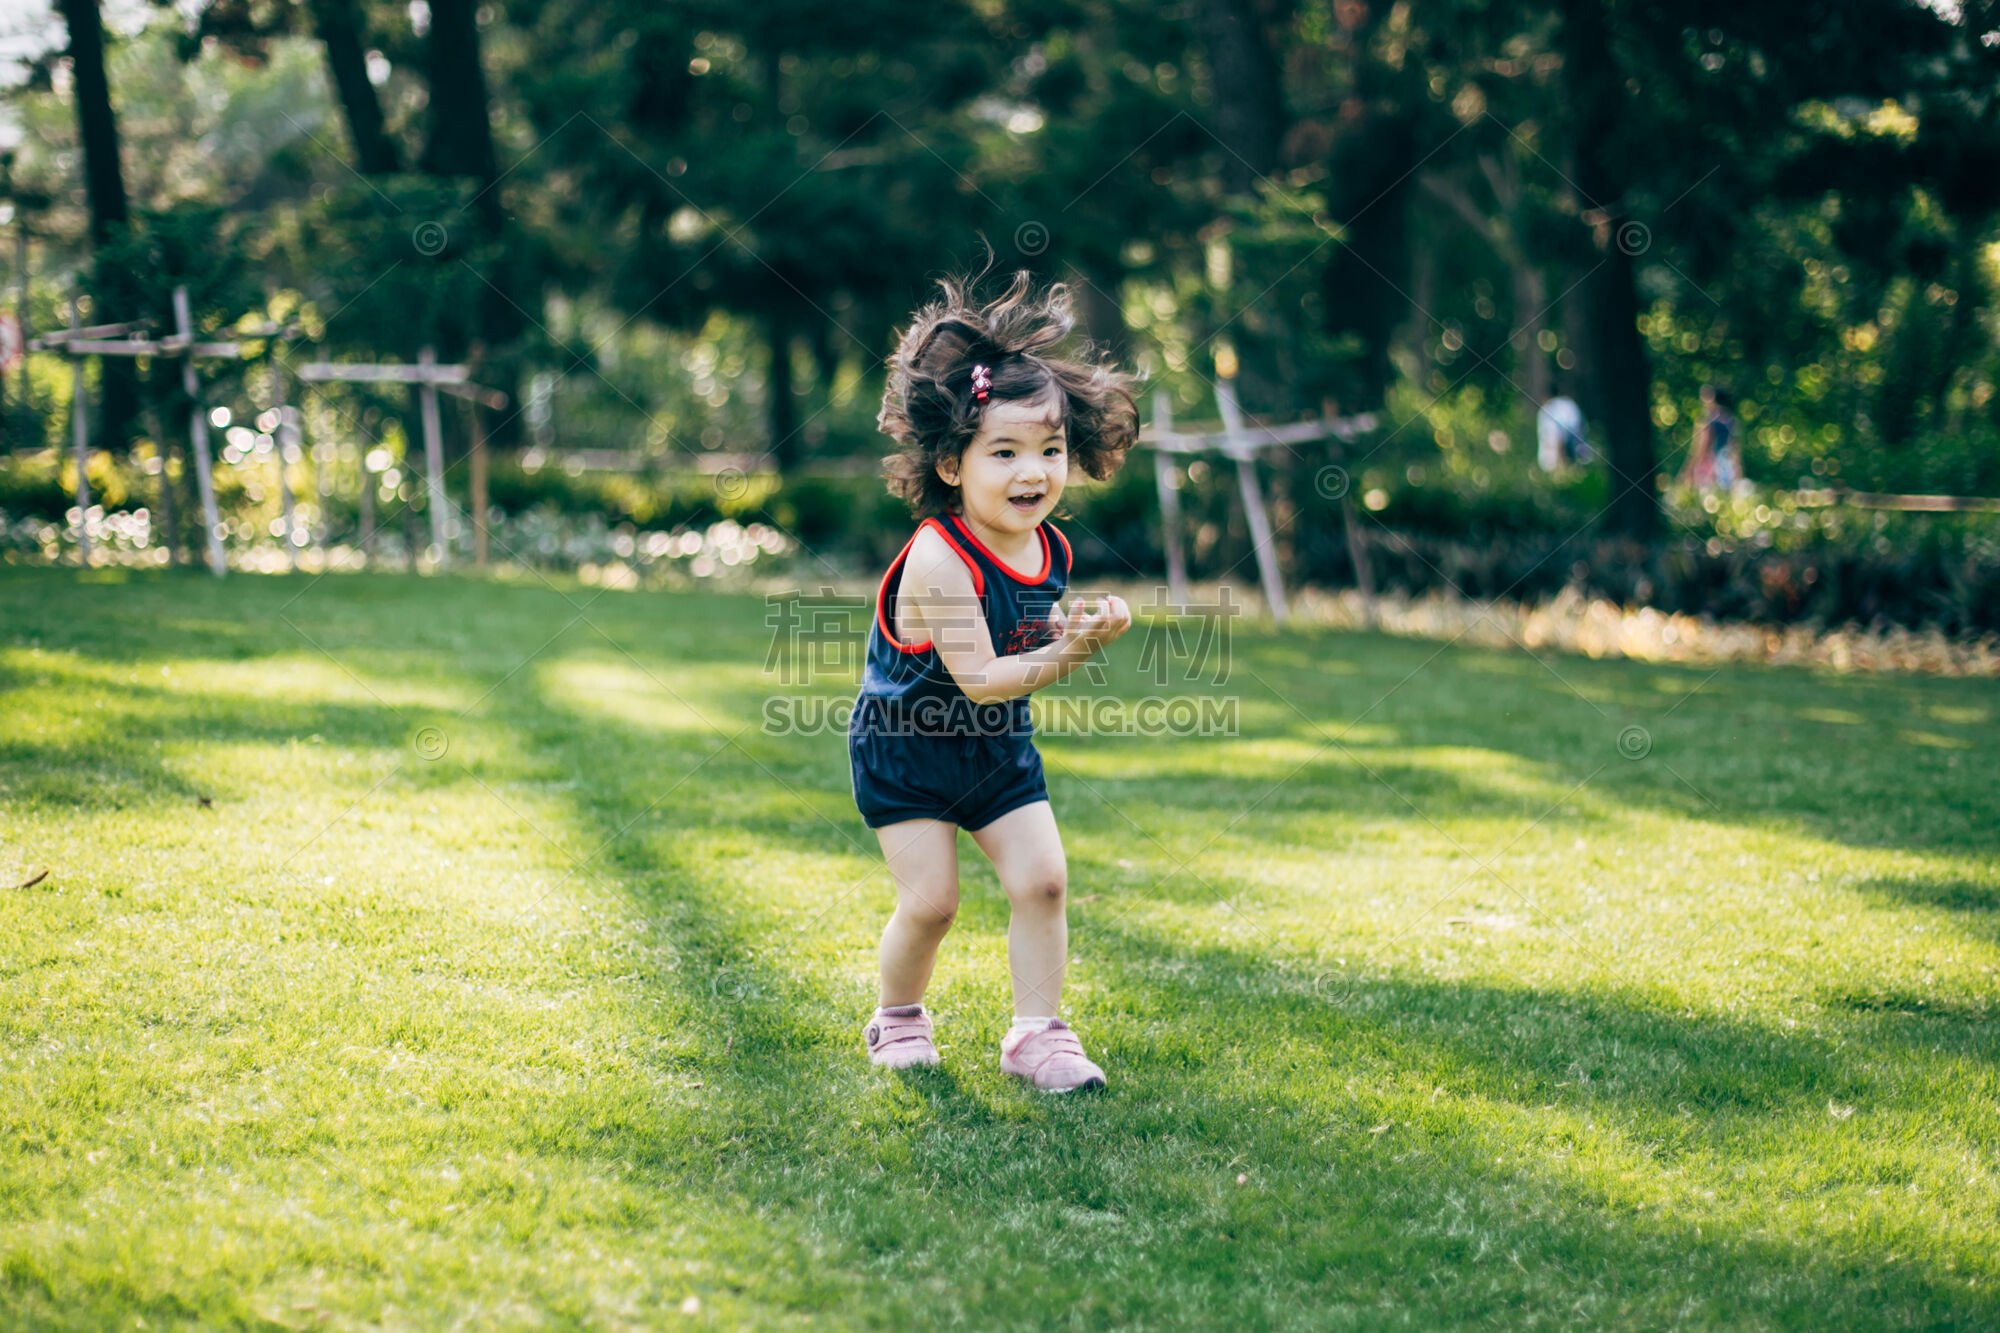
<point>485,959</point>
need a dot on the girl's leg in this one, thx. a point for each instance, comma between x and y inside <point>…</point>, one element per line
<point>1027,854</point>
<point>923,860</point>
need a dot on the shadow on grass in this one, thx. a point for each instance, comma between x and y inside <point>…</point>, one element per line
<point>1742,746</point>
<point>1914,1014</point>
<point>933,1189</point>
<point>1976,902</point>
<point>121,764</point>
<point>956,1194</point>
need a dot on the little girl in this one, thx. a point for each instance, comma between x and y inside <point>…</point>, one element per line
<point>991,420</point>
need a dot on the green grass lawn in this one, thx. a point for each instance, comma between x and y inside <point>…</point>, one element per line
<point>446,952</point>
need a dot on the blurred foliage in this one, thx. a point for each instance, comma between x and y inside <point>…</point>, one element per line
<point>1763,556</point>
<point>713,218</point>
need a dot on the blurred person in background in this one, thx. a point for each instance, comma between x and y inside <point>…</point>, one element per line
<point>1716,458</point>
<point>1559,438</point>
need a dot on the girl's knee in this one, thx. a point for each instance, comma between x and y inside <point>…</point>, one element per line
<point>931,909</point>
<point>1039,885</point>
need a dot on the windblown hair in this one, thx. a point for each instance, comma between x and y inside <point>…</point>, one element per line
<point>928,407</point>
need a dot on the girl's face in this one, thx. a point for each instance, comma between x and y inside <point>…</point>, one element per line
<point>1011,475</point>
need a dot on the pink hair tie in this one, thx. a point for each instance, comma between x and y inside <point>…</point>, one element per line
<point>982,383</point>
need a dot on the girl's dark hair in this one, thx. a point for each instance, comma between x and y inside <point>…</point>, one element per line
<point>928,407</point>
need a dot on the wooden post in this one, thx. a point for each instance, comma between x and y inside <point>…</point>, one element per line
<point>287,444</point>
<point>409,519</point>
<point>204,479</point>
<point>80,431</point>
<point>430,378</point>
<point>1357,554</point>
<point>1240,449</point>
<point>427,396</point>
<point>21,292</point>
<point>1357,545</point>
<point>325,456</point>
<point>1167,481</point>
<point>169,530</point>
<point>476,456</point>
<point>481,555</point>
<point>367,511</point>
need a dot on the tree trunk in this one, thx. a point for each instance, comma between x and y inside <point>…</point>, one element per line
<point>1249,98</point>
<point>1531,362</point>
<point>1413,332</point>
<point>1250,121</point>
<point>460,145</point>
<point>1368,186</point>
<point>1103,316</point>
<point>97,124</point>
<point>1580,378</point>
<point>342,30</point>
<point>104,185</point>
<point>1531,293</point>
<point>461,136</point>
<point>1597,103</point>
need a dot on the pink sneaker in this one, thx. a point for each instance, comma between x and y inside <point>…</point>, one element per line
<point>899,1037</point>
<point>1052,1059</point>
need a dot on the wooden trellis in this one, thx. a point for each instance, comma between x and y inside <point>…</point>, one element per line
<point>129,339</point>
<point>1242,442</point>
<point>429,377</point>
<point>78,342</point>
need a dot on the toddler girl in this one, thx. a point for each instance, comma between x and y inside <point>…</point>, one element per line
<point>991,418</point>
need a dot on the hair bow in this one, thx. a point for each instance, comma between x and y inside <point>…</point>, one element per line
<point>982,383</point>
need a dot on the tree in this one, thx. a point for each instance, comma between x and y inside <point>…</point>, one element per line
<point>1251,121</point>
<point>249,27</point>
<point>341,26</point>
<point>1596,88</point>
<point>104,185</point>
<point>796,165</point>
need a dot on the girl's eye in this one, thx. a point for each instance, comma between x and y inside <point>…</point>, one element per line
<point>1003,453</point>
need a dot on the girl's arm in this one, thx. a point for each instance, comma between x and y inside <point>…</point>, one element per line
<point>938,588</point>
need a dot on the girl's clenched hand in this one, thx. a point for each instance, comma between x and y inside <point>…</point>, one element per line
<point>1094,622</point>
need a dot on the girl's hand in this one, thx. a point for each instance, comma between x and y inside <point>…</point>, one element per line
<point>1094,622</point>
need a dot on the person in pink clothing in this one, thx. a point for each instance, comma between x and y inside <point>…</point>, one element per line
<point>992,419</point>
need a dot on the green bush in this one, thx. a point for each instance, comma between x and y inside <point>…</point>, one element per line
<point>1764,557</point>
<point>31,486</point>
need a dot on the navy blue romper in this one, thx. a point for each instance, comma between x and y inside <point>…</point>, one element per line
<point>917,746</point>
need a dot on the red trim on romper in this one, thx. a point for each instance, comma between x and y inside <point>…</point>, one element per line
<point>1069,559</point>
<point>1048,556</point>
<point>882,590</point>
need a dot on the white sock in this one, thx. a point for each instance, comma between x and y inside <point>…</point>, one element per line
<point>1037,1024</point>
